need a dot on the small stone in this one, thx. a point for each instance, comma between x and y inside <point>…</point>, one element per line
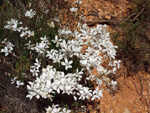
<point>126,110</point>
<point>108,17</point>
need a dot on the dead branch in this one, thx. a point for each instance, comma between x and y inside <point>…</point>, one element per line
<point>140,90</point>
<point>144,6</point>
<point>109,22</point>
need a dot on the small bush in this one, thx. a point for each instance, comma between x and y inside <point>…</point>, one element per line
<point>132,39</point>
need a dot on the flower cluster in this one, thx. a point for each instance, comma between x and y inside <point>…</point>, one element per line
<point>73,9</point>
<point>35,69</point>
<point>78,2</point>
<point>18,82</point>
<point>113,83</point>
<point>8,47</point>
<point>30,13</point>
<point>13,25</point>
<point>98,49</point>
<point>52,81</point>
<point>57,109</point>
<point>54,55</point>
<point>67,63</point>
<point>41,47</point>
<point>91,46</point>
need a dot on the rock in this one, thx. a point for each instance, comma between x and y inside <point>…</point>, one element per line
<point>108,17</point>
<point>126,110</point>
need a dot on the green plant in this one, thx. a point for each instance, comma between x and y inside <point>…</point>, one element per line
<point>131,36</point>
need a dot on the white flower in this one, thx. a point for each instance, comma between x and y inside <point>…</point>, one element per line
<point>67,64</point>
<point>44,39</point>
<point>73,9</point>
<point>12,24</point>
<point>56,59</point>
<point>46,11</point>
<point>30,13</point>
<point>35,69</point>
<point>68,89</point>
<point>83,62</point>
<point>42,46</point>
<point>115,63</point>
<point>78,2</point>
<point>84,92</point>
<point>57,109</point>
<point>79,72</point>
<point>51,24</point>
<point>99,82</point>
<point>56,19</point>
<point>27,32</point>
<point>30,95</point>
<point>101,69</point>
<point>37,64</point>
<point>30,33</point>
<point>113,83</point>
<point>97,94</point>
<point>65,32</point>
<point>13,80</point>
<point>65,47</point>
<point>49,110</point>
<point>19,83</point>
<point>29,45</point>
<point>23,34</point>
<point>57,41</point>
<point>82,17</point>
<point>8,48</point>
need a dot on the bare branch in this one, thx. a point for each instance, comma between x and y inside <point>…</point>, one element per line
<point>109,22</point>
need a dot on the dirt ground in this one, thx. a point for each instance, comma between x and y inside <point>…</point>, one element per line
<point>126,98</point>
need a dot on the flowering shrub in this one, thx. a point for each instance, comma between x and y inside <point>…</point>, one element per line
<point>64,61</point>
<point>57,109</point>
